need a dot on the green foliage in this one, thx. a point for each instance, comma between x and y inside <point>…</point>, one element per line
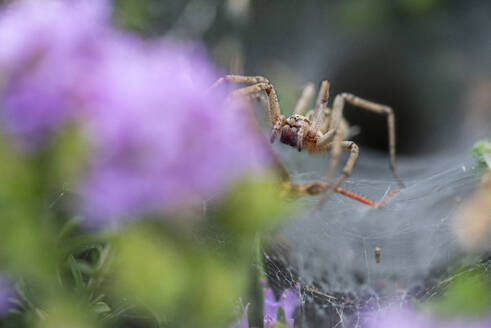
<point>65,312</point>
<point>214,293</point>
<point>481,151</point>
<point>252,205</point>
<point>362,14</point>
<point>67,156</point>
<point>468,294</point>
<point>172,277</point>
<point>169,271</point>
<point>418,7</point>
<point>148,17</point>
<point>25,229</point>
<point>132,14</point>
<point>151,270</point>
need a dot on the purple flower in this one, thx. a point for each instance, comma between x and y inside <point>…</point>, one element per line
<point>5,293</point>
<point>409,318</point>
<point>289,300</point>
<point>244,320</point>
<point>161,140</point>
<point>46,50</point>
<point>270,308</point>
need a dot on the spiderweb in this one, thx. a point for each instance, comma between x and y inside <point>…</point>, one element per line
<point>331,252</point>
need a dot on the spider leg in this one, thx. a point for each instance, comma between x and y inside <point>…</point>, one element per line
<point>254,92</point>
<point>348,167</point>
<point>304,99</point>
<point>262,99</point>
<point>333,138</point>
<point>337,115</point>
<point>276,120</point>
<point>320,105</point>
<point>318,187</point>
<point>239,79</point>
<point>385,110</point>
<point>259,84</point>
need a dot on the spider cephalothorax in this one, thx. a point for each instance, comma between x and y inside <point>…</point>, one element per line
<point>321,130</point>
<point>293,131</point>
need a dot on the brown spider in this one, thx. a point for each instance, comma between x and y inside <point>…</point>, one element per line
<point>321,130</point>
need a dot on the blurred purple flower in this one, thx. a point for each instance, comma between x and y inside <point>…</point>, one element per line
<point>161,139</point>
<point>409,318</point>
<point>289,300</point>
<point>6,292</point>
<point>46,51</point>
<point>244,320</point>
<point>270,308</point>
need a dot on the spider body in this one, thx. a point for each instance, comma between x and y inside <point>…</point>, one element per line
<point>297,131</point>
<point>294,131</point>
<point>321,130</point>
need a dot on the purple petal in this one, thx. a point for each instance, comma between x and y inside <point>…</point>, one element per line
<point>6,292</point>
<point>244,320</point>
<point>270,309</point>
<point>289,301</point>
<point>46,51</point>
<point>290,323</point>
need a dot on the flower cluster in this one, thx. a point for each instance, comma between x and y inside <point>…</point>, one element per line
<point>159,138</point>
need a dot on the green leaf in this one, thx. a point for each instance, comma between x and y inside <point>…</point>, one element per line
<point>28,249</point>
<point>219,285</point>
<point>65,311</point>
<point>76,273</point>
<point>482,153</point>
<point>69,226</point>
<point>150,270</point>
<point>86,268</point>
<point>98,298</point>
<point>469,294</point>
<point>253,205</point>
<point>101,307</point>
<point>68,156</point>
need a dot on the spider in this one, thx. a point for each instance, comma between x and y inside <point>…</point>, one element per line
<point>320,130</point>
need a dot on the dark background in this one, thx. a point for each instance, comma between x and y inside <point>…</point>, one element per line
<point>428,59</point>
